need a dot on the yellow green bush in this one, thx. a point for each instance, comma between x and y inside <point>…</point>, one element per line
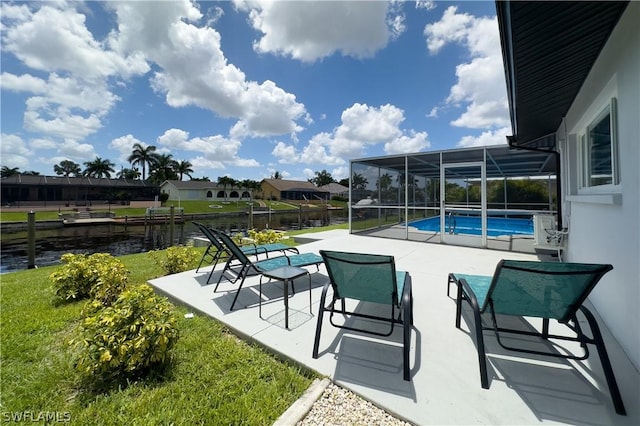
<point>266,236</point>
<point>175,259</point>
<point>127,340</point>
<point>99,276</point>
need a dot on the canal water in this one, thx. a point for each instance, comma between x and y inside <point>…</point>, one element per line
<point>119,239</point>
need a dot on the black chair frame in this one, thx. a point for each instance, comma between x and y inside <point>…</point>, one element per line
<point>245,265</point>
<point>221,250</point>
<point>212,257</point>
<point>466,294</point>
<point>404,317</point>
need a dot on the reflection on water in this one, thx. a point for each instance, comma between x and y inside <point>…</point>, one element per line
<point>120,239</point>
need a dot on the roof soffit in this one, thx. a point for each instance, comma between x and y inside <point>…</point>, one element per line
<point>548,50</point>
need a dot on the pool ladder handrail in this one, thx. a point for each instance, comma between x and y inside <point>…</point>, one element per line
<point>452,223</point>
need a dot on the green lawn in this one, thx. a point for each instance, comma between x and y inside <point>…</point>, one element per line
<point>317,229</point>
<point>11,216</point>
<point>190,207</point>
<point>216,377</point>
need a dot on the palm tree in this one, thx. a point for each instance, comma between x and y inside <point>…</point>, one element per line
<point>163,167</point>
<point>322,178</point>
<point>142,155</point>
<point>183,168</point>
<point>384,182</point>
<point>67,168</point>
<point>225,181</point>
<point>130,174</point>
<point>6,171</point>
<point>250,185</point>
<point>276,175</point>
<point>98,168</point>
<point>359,182</point>
<point>384,185</point>
<point>234,183</point>
<point>247,185</point>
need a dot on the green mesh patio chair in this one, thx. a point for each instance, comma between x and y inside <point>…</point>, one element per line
<point>244,265</point>
<point>547,290</point>
<point>367,278</point>
<point>216,249</point>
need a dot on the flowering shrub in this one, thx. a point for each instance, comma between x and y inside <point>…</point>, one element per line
<point>266,236</point>
<point>99,276</point>
<point>175,259</point>
<point>128,339</point>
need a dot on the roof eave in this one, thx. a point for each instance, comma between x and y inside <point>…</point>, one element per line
<point>541,92</point>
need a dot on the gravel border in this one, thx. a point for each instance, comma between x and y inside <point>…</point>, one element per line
<point>325,403</point>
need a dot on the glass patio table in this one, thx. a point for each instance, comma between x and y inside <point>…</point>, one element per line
<point>285,274</point>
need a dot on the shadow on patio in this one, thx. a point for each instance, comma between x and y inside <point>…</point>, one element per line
<point>445,382</point>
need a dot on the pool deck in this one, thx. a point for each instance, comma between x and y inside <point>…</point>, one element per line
<point>445,384</point>
<point>512,243</point>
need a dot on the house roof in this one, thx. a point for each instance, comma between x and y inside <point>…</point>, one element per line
<point>41,180</point>
<point>334,188</point>
<point>291,185</point>
<point>191,184</point>
<point>548,49</point>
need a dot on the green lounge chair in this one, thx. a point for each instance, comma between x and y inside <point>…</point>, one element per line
<point>245,265</point>
<point>367,278</point>
<point>547,290</point>
<point>216,249</point>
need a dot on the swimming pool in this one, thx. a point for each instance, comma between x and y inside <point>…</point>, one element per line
<point>470,225</point>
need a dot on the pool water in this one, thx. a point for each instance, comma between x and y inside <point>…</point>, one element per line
<point>470,225</point>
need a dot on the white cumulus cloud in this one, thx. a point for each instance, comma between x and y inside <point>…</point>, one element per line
<point>193,69</point>
<point>361,126</point>
<point>52,39</point>
<point>309,31</point>
<point>15,152</point>
<point>480,87</point>
<point>413,142</point>
<point>76,151</point>
<point>489,137</point>
<point>216,150</point>
<point>55,38</point>
<point>124,146</point>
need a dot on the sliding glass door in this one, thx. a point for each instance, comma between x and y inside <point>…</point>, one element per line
<point>463,212</point>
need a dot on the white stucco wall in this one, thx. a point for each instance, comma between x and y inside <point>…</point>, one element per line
<point>171,190</point>
<point>176,194</point>
<point>193,194</point>
<point>610,233</point>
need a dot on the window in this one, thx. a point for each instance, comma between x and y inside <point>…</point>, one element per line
<point>598,147</point>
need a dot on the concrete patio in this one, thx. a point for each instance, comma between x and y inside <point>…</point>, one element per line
<point>445,382</point>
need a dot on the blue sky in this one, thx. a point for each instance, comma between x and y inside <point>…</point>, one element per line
<point>247,88</point>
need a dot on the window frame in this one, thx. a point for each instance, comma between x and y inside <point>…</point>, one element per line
<point>584,142</point>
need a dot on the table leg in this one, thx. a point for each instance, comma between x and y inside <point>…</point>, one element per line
<point>310,310</point>
<point>260,300</point>
<point>286,304</point>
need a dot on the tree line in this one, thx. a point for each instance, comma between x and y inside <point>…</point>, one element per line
<point>324,178</point>
<point>524,192</point>
<point>161,167</point>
